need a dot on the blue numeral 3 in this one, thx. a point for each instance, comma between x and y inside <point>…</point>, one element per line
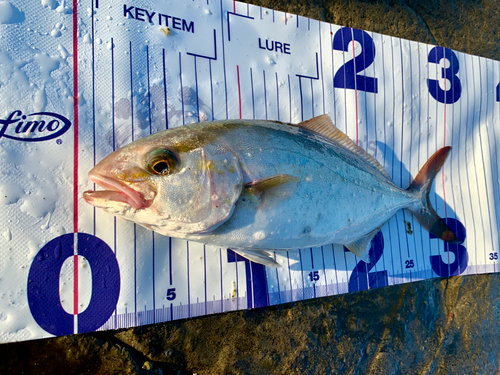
<point>452,93</point>
<point>461,256</point>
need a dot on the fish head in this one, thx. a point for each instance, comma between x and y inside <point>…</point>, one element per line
<point>174,182</point>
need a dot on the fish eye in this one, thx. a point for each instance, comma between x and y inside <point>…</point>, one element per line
<point>162,162</point>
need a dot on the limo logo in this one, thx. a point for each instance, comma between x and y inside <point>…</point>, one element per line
<point>35,127</point>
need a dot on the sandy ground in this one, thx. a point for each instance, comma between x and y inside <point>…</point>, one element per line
<point>440,326</point>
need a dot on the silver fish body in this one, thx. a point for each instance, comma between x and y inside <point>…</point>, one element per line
<point>260,185</point>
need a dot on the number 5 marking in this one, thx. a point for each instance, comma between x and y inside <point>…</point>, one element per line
<point>452,94</point>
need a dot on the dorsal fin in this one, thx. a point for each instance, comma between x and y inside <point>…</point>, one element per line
<point>324,126</point>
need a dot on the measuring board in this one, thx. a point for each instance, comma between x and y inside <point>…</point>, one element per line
<point>96,75</point>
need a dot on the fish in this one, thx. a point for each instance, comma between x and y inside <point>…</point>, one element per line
<point>256,186</point>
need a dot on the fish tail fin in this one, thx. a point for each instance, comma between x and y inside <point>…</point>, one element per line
<point>422,209</point>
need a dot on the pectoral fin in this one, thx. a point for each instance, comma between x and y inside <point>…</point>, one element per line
<point>361,246</point>
<point>258,256</point>
<point>281,186</point>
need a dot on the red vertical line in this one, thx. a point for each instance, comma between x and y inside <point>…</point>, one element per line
<point>355,89</point>
<point>75,275</point>
<point>165,91</point>
<point>75,117</point>
<point>135,273</point>
<point>149,88</point>
<point>93,105</point>
<point>444,144</point>
<point>234,6</point>
<point>223,57</point>
<point>75,161</point>
<point>75,284</point>
<point>239,90</point>
<point>154,280</point>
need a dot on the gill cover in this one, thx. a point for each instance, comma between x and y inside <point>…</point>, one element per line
<point>201,195</point>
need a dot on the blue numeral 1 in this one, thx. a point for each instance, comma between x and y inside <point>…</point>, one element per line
<point>256,280</point>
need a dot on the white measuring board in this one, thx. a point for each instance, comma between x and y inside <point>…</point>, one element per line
<point>80,80</point>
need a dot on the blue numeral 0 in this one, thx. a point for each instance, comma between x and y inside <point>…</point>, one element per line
<point>346,76</point>
<point>452,93</point>
<point>43,284</point>
<point>461,256</point>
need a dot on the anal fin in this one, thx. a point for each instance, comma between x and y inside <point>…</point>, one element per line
<point>361,246</point>
<point>258,256</point>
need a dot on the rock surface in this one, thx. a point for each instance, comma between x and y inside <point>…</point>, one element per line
<point>440,326</point>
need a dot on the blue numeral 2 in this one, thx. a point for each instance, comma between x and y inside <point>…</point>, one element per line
<point>346,76</point>
<point>361,276</point>
<point>452,93</point>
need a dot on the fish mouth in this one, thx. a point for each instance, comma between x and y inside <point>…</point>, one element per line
<point>115,191</point>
